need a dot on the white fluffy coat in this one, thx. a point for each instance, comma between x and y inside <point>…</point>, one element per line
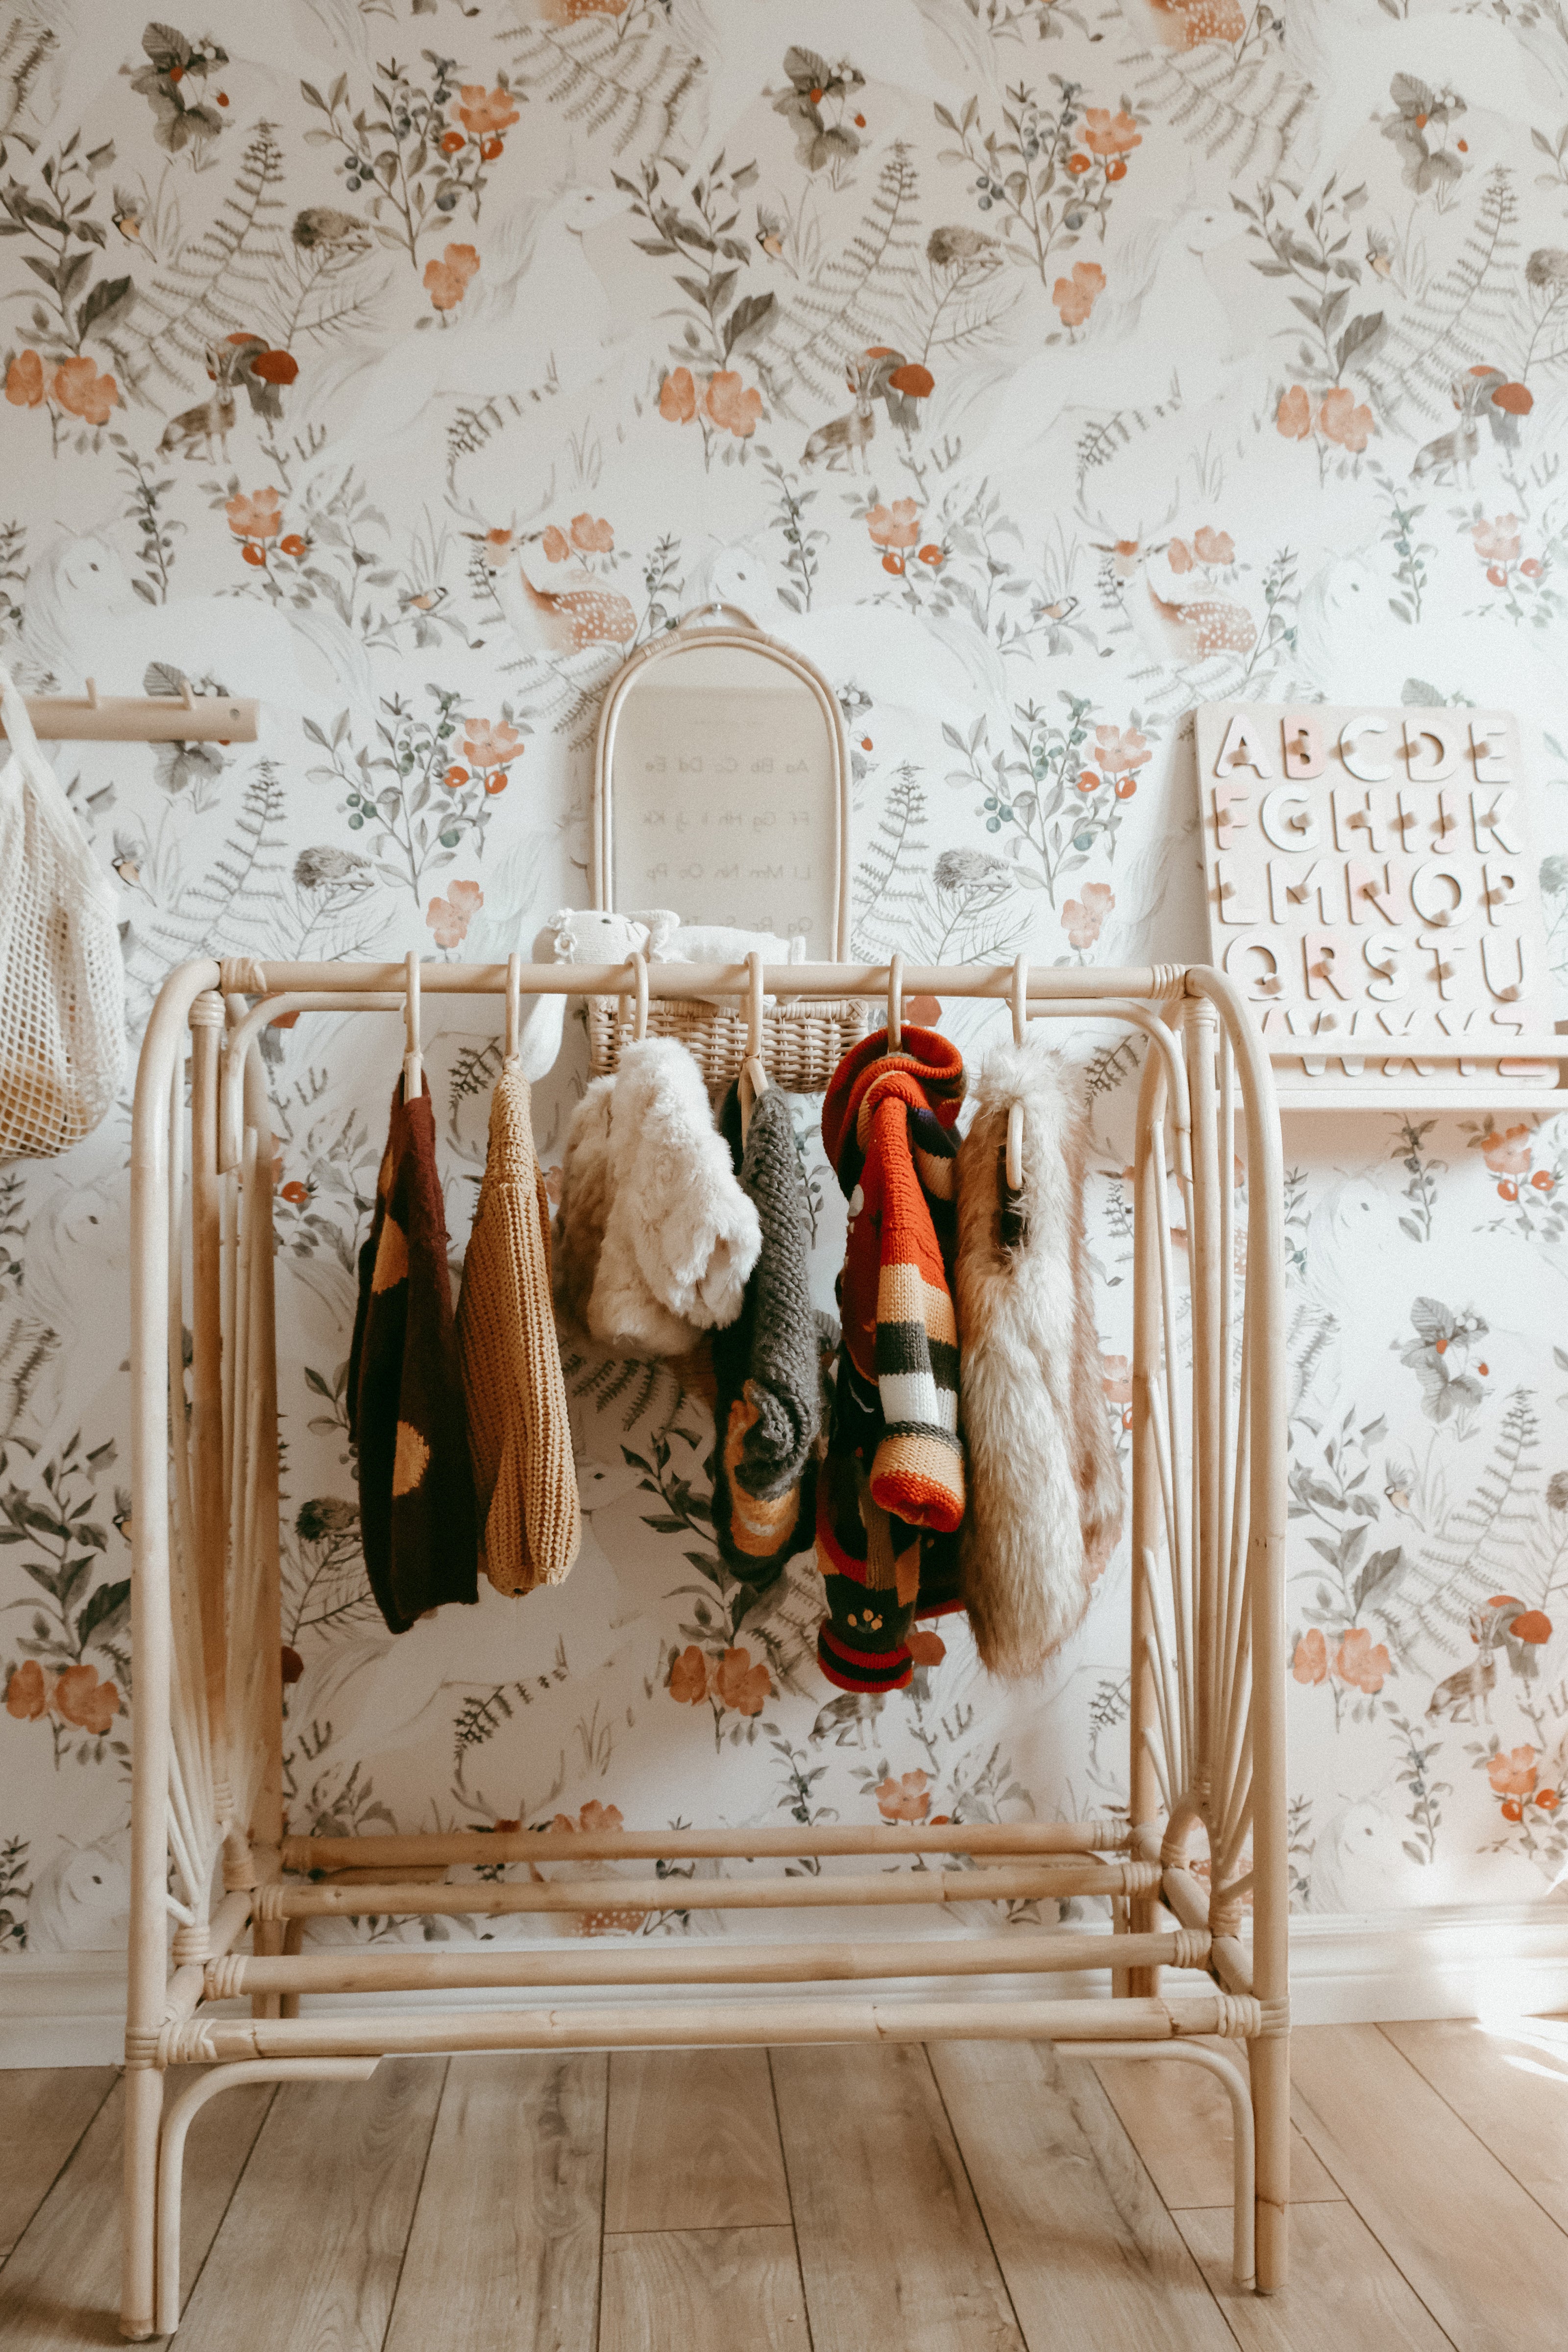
<point>656,1239</point>
<point>579,1231</point>
<point>1044,1480</point>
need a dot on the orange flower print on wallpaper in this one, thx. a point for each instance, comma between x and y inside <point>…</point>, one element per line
<point>904,1799</point>
<point>446,280</point>
<point>1038,393</point>
<point>1076,297</point>
<point>449,918</point>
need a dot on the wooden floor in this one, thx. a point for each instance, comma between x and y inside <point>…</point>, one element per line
<point>976,2198</point>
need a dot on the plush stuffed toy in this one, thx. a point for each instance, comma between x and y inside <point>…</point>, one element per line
<point>594,935</point>
<point>676,942</point>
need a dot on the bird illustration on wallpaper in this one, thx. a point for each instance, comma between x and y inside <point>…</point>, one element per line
<point>1142,357</point>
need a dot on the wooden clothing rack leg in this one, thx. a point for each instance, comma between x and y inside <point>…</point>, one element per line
<point>209,1857</point>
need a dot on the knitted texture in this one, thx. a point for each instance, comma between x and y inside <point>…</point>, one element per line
<point>405,1388</point>
<point>657,1240</point>
<point>768,1409</point>
<point>891,1493</point>
<point>1045,1478</point>
<point>520,1438</point>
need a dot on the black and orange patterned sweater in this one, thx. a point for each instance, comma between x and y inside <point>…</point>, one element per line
<point>890,1494</point>
<point>405,1389</point>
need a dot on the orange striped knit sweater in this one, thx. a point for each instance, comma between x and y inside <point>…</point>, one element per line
<point>892,1495</point>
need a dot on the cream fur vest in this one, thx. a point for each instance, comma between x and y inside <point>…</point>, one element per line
<point>1045,1479</point>
<point>655,1241</point>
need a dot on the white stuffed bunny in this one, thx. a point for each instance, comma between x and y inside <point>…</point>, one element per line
<point>595,935</point>
<point>715,943</point>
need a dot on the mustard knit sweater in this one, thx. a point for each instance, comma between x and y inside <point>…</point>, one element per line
<point>519,1434</point>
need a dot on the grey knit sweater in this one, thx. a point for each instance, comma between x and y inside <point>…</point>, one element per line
<point>766,1364</point>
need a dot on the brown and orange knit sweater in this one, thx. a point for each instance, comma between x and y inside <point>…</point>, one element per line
<point>890,1492</point>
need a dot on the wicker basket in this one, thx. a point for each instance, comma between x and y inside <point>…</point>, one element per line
<point>804,1038</point>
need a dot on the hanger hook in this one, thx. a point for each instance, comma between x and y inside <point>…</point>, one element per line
<point>895,1002</point>
<point>1014,1155</point>
<point>513,1003</point>
<point>412,1059</point>
<point>754,1006</point>
<point>639,991</point>
<point>1018,996</point>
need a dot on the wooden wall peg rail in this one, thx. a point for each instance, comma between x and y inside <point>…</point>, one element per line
<point>183,718</point>
<point>212,1867</point>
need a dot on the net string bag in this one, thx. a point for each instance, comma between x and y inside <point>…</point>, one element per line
<point>62,981</point>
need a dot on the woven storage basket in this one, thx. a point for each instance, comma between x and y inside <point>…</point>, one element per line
<point>804,1038</point>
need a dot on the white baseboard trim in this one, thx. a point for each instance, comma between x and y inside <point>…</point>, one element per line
<point>1458,1961</point>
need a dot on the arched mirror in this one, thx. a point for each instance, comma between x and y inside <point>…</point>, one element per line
<point>721,786</point>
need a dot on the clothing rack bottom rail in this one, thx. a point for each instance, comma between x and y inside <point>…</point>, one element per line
<point>694,2025</point>
<point>244,1977</point>
<point>1090,1836</point>
<point>999,1884</point>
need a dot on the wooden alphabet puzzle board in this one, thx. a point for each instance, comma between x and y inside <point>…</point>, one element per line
<point>1370,880</point>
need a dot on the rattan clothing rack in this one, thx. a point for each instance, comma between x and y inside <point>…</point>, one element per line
<point>1203,1846</point>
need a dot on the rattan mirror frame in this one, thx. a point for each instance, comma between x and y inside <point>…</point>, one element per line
<point>713,626</point>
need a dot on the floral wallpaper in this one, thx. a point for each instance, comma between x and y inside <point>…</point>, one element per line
<point>1042,368</point>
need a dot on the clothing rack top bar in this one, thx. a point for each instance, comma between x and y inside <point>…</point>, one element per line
<point>241,976</point>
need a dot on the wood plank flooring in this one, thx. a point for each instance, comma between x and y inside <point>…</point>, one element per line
<point>975,2198</point>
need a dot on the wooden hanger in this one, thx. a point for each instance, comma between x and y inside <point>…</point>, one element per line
<point>638,963</point>
<point>1015,1110</point>
<point>513,1007</point>
<point>413,1060</point>
<point>753,1083</point>
<point>894,1003</point>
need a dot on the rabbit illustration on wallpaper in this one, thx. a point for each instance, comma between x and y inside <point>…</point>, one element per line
<point>1343,643</point>
<point>82,1900</point>
<point>211,419</point>
<point>534,322</point>
<point>1359,1862</point>
<point>372,1692</point>
<point>843,435</point>
<point>84,619</point>
<point>940,665</point>
<point>1159,299</point>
